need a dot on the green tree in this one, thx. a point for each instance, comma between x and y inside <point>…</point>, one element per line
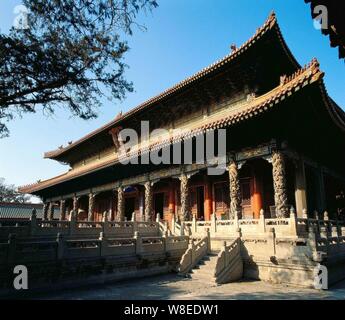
<point>66,53</point>
<point>9,193</point>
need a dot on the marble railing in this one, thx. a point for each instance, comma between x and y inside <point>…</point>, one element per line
<point>21,251</point>
<point>77,229</point>
<point>283,227</point>
<point>197,249</point>
<point>229,265</point>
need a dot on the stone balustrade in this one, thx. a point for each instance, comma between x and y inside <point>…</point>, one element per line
<point>195,252</point>
<point>17,251</point>
<point>229,266</point>
<point>283,227</point>
<point>228,228</point>
<point>78,229</point>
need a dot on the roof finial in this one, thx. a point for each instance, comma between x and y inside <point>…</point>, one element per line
<point>283,79</point>
<point>119,115</point>
<point>315,63</point>
<point>272,15</point>
<point>233,47</point>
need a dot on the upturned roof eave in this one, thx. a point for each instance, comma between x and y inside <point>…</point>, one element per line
<point>310,75</point>
<point>270,23</point>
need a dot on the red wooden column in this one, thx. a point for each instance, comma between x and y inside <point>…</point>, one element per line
<point>172,199</point>
<point>171,204</point>
<point>257,201</point>
<point>208,203</point>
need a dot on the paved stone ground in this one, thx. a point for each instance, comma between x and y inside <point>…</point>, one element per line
<point>172,287</point>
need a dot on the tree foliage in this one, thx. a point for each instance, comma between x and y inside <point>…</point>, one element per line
<point>9,193</point>
<point>70,54</point>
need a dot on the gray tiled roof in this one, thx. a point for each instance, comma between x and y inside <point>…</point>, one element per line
<point>23,211</point>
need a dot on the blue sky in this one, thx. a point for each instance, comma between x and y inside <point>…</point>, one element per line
<point>182,37</point>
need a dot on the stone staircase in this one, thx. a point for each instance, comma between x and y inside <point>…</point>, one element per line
<point>205,269</point>
<point>215,267</point>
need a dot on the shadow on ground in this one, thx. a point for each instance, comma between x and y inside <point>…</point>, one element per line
<point>172,287</point>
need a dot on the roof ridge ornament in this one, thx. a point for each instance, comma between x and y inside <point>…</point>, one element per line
<point>313,67</point>
<point>119,115</point>
<point>283,79</point>
<point>272,15</point>
<point>251,96</point>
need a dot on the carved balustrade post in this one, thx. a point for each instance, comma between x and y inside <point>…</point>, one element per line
<point>120,204</point>
<point>214,224</point>
<point>72,223</point>
<point>182,229</point>
<point>279,183</point>
<point>103,243</point>
<point>293,222</point>
<point>271,242</point>
<point>33,222</point>
<point>312,238</point>
<point>173,224</point>
<point>60,246</point>
<point>194,225</point>
<point>208,235</point>
<point>105,216</point>
<point>235,191</point>
<point>262,222</point>
<point>138,243</point>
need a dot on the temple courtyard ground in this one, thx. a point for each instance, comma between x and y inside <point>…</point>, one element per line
<point>172,287</point>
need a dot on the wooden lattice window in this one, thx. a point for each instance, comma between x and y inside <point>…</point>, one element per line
<point>193,201</point>
<point>246,192</point>
<point>221,194</point>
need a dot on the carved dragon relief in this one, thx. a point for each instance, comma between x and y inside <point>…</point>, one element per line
<point>235,191</point>
<point>279,182</point>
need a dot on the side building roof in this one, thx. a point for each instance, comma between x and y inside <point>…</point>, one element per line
<point>23,211</point>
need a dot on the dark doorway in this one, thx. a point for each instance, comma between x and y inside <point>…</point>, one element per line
<point>129,207</point>
<point>200,202</point>
<point>159,204</point>
<point>314,201</point>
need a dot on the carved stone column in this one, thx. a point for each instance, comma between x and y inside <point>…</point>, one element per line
<point>185,205</point>
<point>91,206</point>
<point>62,210</point>
<point>148,200</point>
<point>120,204</point>
<point>45,211</point>
<point>51,211</point>
<point>279,183</point>
<point>75,206</point>
<point>235,191</point>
